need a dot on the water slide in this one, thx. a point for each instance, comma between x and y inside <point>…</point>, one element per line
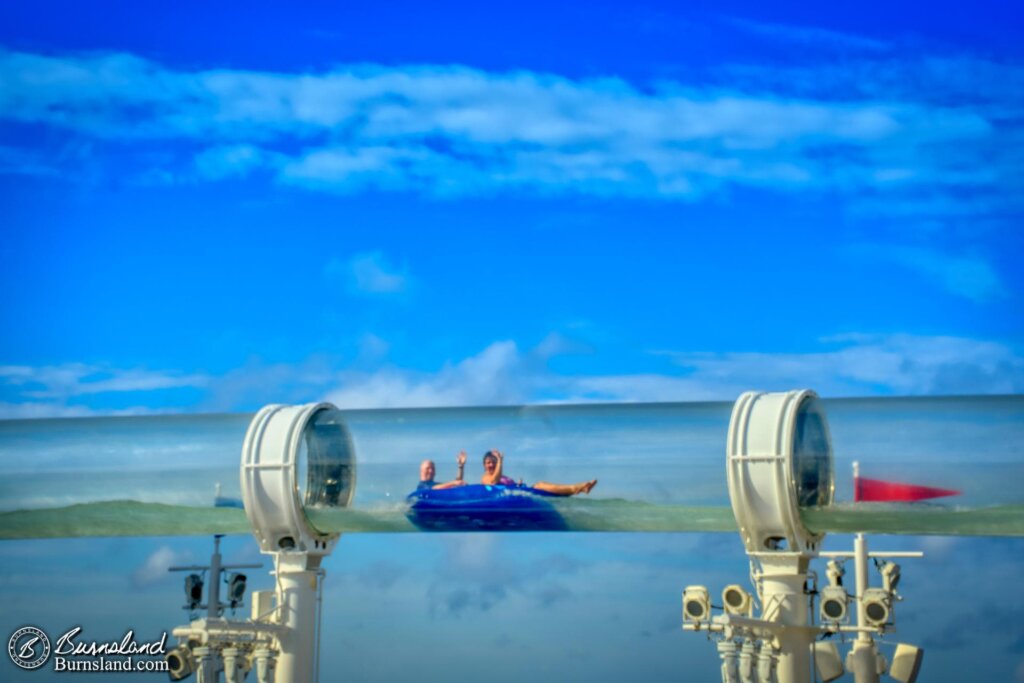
<point>660,467</point>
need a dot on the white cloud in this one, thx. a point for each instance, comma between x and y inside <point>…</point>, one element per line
<point>373,275</point>
<point>897,364</point>
<point>21,161</point>
<point>477,573</point>
<point>504,374</point>
<point>810,35</point>
<point>373,348</point>
<point>967,276</point>
<point>861,365</point>
<point>216,163</point>
<point>256,384</point>
<point>47,391</point>
<point>456,130</point>
<point>154,569</point>
<point>367,273</point>
<point>499,374</point>
<point>33,410</point>
<point>77,379</point>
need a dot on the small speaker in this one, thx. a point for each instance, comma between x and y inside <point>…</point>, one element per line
<point>906,663</point>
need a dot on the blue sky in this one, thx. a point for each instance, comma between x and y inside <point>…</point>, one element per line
<point>379,206</point>
<point>208,209</point>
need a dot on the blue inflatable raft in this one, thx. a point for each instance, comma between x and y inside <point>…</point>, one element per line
<point>481,507</point>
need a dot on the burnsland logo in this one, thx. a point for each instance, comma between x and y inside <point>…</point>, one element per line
<point>29,648</point>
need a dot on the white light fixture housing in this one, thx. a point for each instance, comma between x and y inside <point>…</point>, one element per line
<point>779,456</point>
<point>736,599</point>
<point>876,606</point>
<point>180,664</point>
<point>832,608</point>
<point>288,461</point>
<point>696,603</point>
<point>193,591</point>
<point>890,572</point>
<point>236,589</point>
<point>834,570</point>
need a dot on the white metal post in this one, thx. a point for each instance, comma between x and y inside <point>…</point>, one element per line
<point>234,664</point>
<point>297,581</point>
<point>863,658</point>
<point>206,664</point>
<point>765,664</point>
<point>213,609</point>
<point>748,657</point>
<point>264,663</point>
<point>727,651</point>
<point>785,602</point>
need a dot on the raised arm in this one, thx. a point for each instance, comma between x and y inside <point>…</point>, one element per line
<point>458,481</point>
<point>493,476</point>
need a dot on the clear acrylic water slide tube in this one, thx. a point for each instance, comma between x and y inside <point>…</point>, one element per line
<point>660,467</point>
<point>970,445</point>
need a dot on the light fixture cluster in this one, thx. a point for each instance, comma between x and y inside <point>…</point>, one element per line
<point>877,602</point>
<point>235,662</point>
<point>746,643</point>
<point>697,602</point>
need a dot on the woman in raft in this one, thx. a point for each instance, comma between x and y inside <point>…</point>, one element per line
<point>493,461</point>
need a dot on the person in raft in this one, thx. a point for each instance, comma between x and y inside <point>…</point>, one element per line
<point>427,472</point>
<point>493,460</point>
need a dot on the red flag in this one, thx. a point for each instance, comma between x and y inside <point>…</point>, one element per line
<point>876,490</point>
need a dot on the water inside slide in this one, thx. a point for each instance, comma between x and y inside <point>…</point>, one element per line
<point>660,467</point>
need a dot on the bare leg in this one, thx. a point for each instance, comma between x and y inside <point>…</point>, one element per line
<point>566,489</point>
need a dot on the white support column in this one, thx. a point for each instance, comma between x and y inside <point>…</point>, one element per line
<point>297,580</point>
<point>730,671</point>
<point>272,482</point>
<point>786,603</point>
<point>778,460</point>
<point>766,664</point>
<point>862,660</point>
<point>206,664</point>
<point>748,658</point>
<point>234,664</point>
<point>264,664</point>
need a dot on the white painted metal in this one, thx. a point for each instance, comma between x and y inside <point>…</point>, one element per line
<point>863,660</point>
<point>784,601</point>
<point>759,457</point>
<point>298,576</point>
<point>264,663</point>
<point>206,664</point>
<point>730,661</point>
<point>763,492</point>
<point>262,604</point>
<point>748,656</point>
<point>235,666</point>
<point>826,661</point>
<point>270,486</point>
<point>766,664</point>
<point>906,663</point>
<point>271,495</point>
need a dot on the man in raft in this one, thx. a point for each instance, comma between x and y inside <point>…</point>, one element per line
<point>427,472</point>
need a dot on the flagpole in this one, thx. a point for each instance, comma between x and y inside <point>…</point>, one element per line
<point>856,481</point>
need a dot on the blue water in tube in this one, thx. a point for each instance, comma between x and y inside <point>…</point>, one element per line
<point>482,507</point>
